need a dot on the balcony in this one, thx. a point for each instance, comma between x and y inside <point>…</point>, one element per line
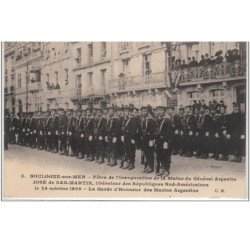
<point>12,89</point>
<point>33,86</point>
<point>151,81</point>
<point>58,93</point>
<point>214,73</point>
<point>89,92</point>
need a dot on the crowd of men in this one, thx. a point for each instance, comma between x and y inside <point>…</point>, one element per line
<point>113,134</point>
<point>231,56</point>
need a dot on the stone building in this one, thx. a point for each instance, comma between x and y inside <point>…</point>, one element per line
<point>45,75</point>
<point>57,75</point>
<point>92,72</point>
<point>220,82</point>
<point>139,74</point>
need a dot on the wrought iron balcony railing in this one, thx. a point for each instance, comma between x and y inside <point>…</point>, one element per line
<point>155,80</point>
<point>221,71</point>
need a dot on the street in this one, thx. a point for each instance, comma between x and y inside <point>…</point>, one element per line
<point>25,161</point>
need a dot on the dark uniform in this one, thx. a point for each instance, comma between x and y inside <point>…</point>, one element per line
<point>148,128</point>
<point>163,142</point>
<point>114,129</point>
<point>192,128</point>
<point>62,132</point>
<point>70,139</point>
<point>100,133</point>
<point>40,132</point>
<point>48,131</point>
<point>14,125</point>
<point>33,131</point>
<point>177,125</point>
<point>55,132</point>
<point>80,136</point>
<point>6,129</point>
<point>27,129</point>
<point>90,138</point>
<point>236,130</point>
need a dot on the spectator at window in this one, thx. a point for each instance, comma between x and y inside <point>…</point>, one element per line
<point>52,86</point>
<point>193,63</point>
<point>202,61</point>
<point>219,58</point>
<point>178,64</point>
<point>183,64</point>
<point>212,61</point>
<point>235,55</point>
<point>229,56</point>
<point>207,60</point>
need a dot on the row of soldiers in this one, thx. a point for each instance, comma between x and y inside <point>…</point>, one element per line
<point>114,134</point>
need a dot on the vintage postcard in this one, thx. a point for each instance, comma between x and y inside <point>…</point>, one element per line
<point>125,120</point>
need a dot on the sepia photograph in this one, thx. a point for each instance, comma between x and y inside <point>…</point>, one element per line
<point>124,120</point>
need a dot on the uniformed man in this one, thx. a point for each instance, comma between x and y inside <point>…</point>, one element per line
<point>14,125</point>
<point>80,134</point>
<point>163,142</point>
<point>27,129</point>
<point>33,130</point>
<point>192,128</point>
<point>40,130</point>
<point>6,128</point>
<point>70,141</point>
<point>148,128</point>
<point>22,128</point>
<point>204,124</point>
<point>48,131</point>
<point>100,133</point>
<point>236,132</point>
<point>90,135</point>
<point>177,125</point>
<point>184,132</point>
<point>62,131</point>
<point>129,131</point>
<point>113,136</point>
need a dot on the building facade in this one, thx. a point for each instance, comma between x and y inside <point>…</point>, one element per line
<point>219,82</point>
<point>45,75</point>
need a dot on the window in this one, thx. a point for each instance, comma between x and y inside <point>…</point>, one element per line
<point>79,85</point>
<point>147,64</point>
<point>217,93</point>
<point>124,46</point>
<point>103,49</point>
<point>90,52</point>
<point>103,77</point>
<point>19,81</point>
<point>56,77</point>
<point>90,78</point>
<point>47,78</point>
<point>194,95</point>
<point>78,55</point>
<point>66,71</point>
<point>125,66</point>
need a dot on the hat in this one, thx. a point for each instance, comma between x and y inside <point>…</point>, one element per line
<point>60,109</point>
<point>70,110</point>
<point>181,108</point>
<point>161,107</point>
<point>53,110</point>
<point>111,107</point>
<point>235,104</point>
<point>145,107</point>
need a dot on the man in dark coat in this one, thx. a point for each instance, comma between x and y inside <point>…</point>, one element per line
<point>6,129</point>
<point>63,120</point>
<point>148,127</point>
<point>114,129</point>
<point>90,135</point>
<point>100,132</point>
<point>163,142</point>
<point>236,132</point>
<point>80,134</point>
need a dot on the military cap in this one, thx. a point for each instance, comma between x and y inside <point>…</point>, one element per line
<point>53,109</point>
<point>111,107</point>
<point>235,104</point>
<point>60,109</point>
<point>223,106</point>
<point>181,108</point>
<point>145,107</point>
<point>134,108</point>
<point>70,110</point>
<point>161,107</point>
<point>89,109</point>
